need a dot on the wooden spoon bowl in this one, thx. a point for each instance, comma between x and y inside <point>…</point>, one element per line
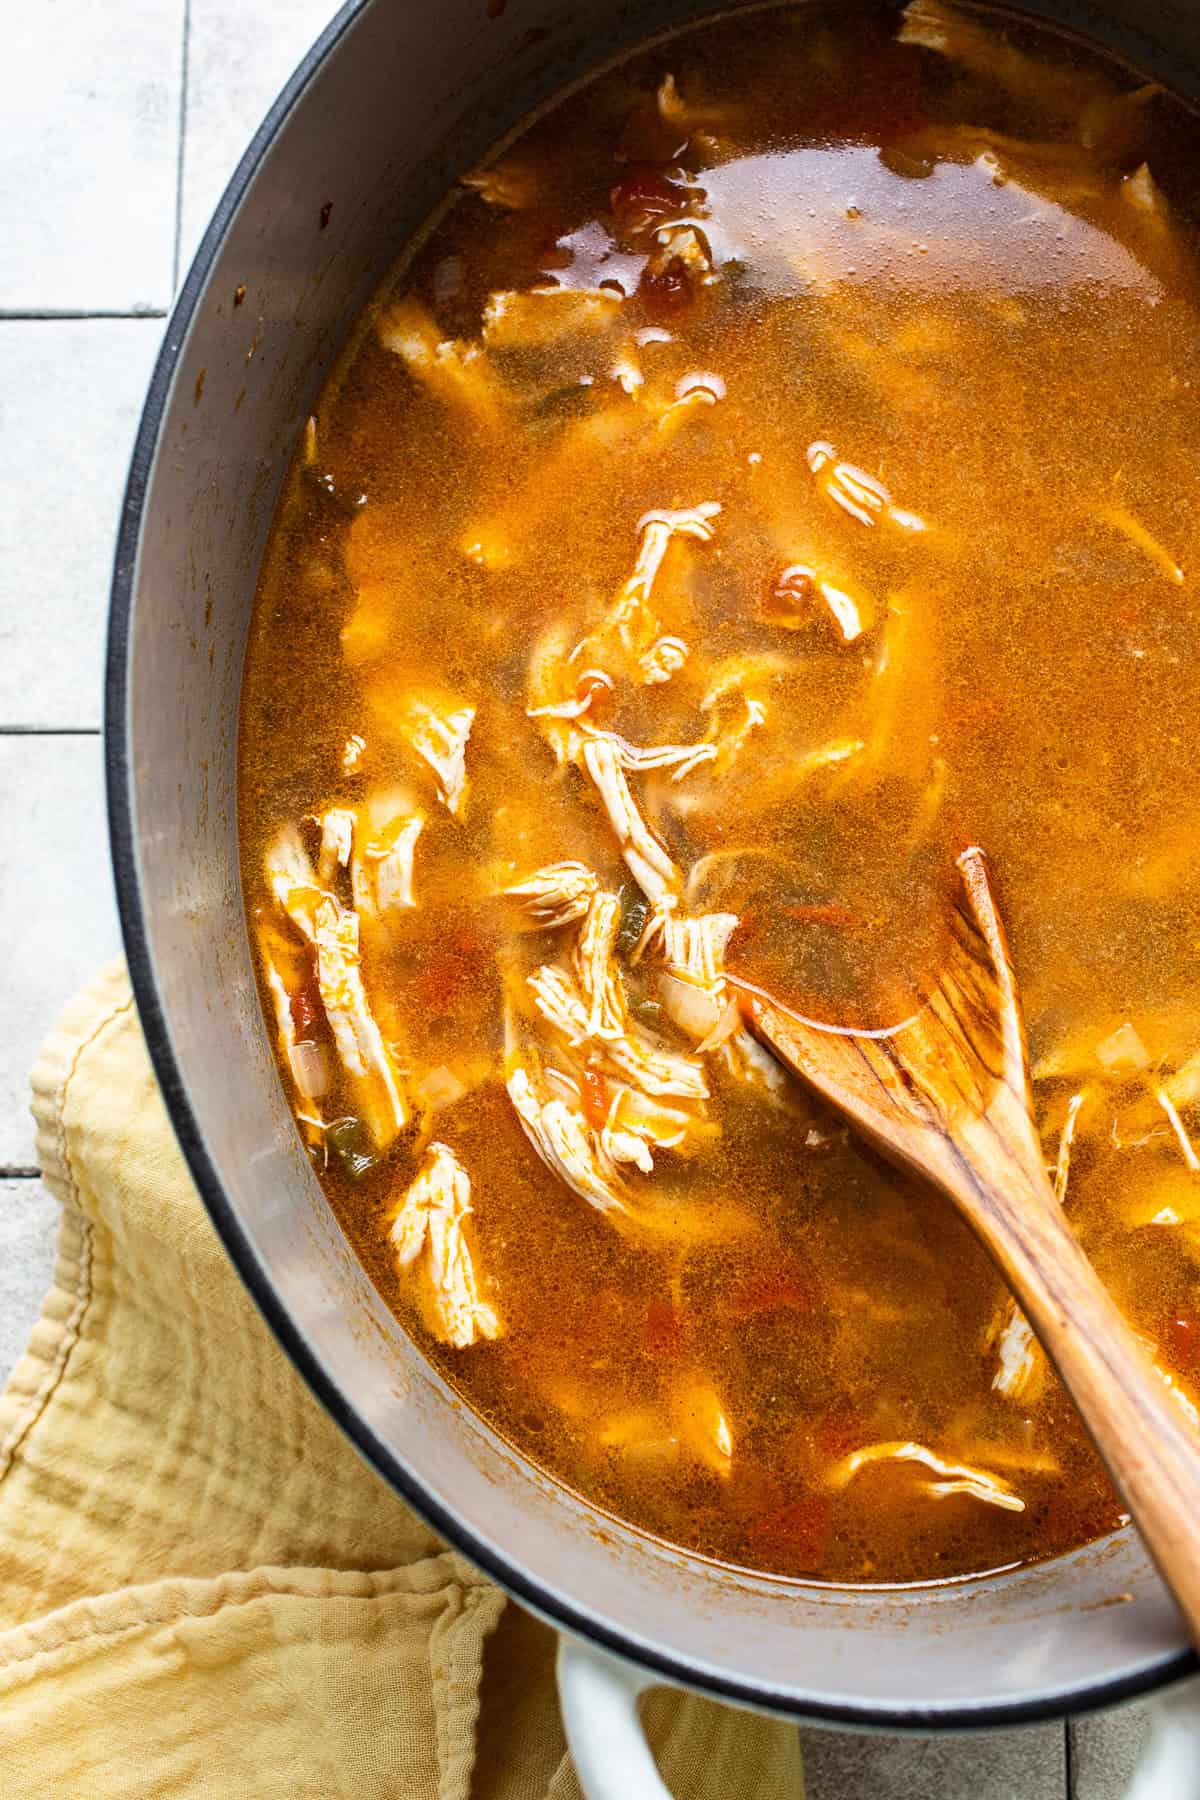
<point>946,1095</point>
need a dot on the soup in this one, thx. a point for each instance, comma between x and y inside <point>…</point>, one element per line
<point>771,472</point>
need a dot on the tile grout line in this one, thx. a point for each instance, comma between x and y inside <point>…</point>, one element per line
<point>9,315</point>
<point>1068,1759</point>
<point>58,731</point>
<point>183,120</point>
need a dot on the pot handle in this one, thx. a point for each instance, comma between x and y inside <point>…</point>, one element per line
<point>1169,1765</point>
<point>599,1695</point>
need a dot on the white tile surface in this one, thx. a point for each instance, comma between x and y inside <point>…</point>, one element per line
<point>1028,1764</point>
<point>1104,1750</point>
<point>89,136</point>
<point>28,1231</point>
<point>70,395</point>
<point>239,57</point>
<point>58,918</point>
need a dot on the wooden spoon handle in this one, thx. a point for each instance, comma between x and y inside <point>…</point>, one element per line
<point>1136,1423</point>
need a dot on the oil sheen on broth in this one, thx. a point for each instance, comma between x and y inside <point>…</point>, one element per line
<point>775,470</point>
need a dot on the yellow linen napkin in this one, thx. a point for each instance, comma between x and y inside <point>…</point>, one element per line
<point>203,1590</point>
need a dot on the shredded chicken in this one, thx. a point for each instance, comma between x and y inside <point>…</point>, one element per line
<point>542,316</point>
<point>556,895</point>
<point>559,693</point>
<point>635,1117</point>
<point>982,48</point>
<point>640,759</point>
<point>645,857</point>
<point>665,657</point>
<point>337,837</point>
<point>860,495</point>
<point>382,869</point>
<point>332,930</point>
<point>583,1022</point>
<point>562,1138</point>
<point>308,1110</point>
<point>955,1477</point>
<point>513,182</point>
<point>430,1219</point>
<point>563,683</point>
<point>632,617</point>
<point>438,730</point>
<point>596,970</point>
<point>650,1096</point>
<point>352,753</point>
<point>456,373</point>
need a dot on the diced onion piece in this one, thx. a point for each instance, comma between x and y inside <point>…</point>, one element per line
<point>726,1027</point>
<point>441,1087</point>
<point>703,1428</point>
<point>1122,1050</point>
<point>1186,1146</point>
<point>695,1009</point>
<point>309,1069</point>
<point>639,1436</point>
<point>1142,192</point>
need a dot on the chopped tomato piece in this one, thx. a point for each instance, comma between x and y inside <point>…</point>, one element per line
<point>458,966</point>
<point>663,1332</point>
<point>666,291</point>
<point>1181,1340</point>
<point>305,1013</point>
<point>595,688</point>
<point>593,1092</point>
<point>749,927</point>
<point>794,591</point>
<point>798,1532</point>
<point>769,1293</point>
<point>819,915</point>
<point>839,1431</point>
<point>978,713</point>
<point>646,193</point>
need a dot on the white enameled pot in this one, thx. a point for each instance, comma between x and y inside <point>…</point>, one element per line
<point>394,102</point>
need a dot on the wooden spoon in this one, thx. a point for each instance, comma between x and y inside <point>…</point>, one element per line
<point>947,1095</point>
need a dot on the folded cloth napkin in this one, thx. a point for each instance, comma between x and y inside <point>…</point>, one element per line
<point>203,1591</point>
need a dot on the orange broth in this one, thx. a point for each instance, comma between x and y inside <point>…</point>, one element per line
<point>772,472</point>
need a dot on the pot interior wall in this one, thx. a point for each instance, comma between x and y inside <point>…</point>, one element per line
<point>403,98</point>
